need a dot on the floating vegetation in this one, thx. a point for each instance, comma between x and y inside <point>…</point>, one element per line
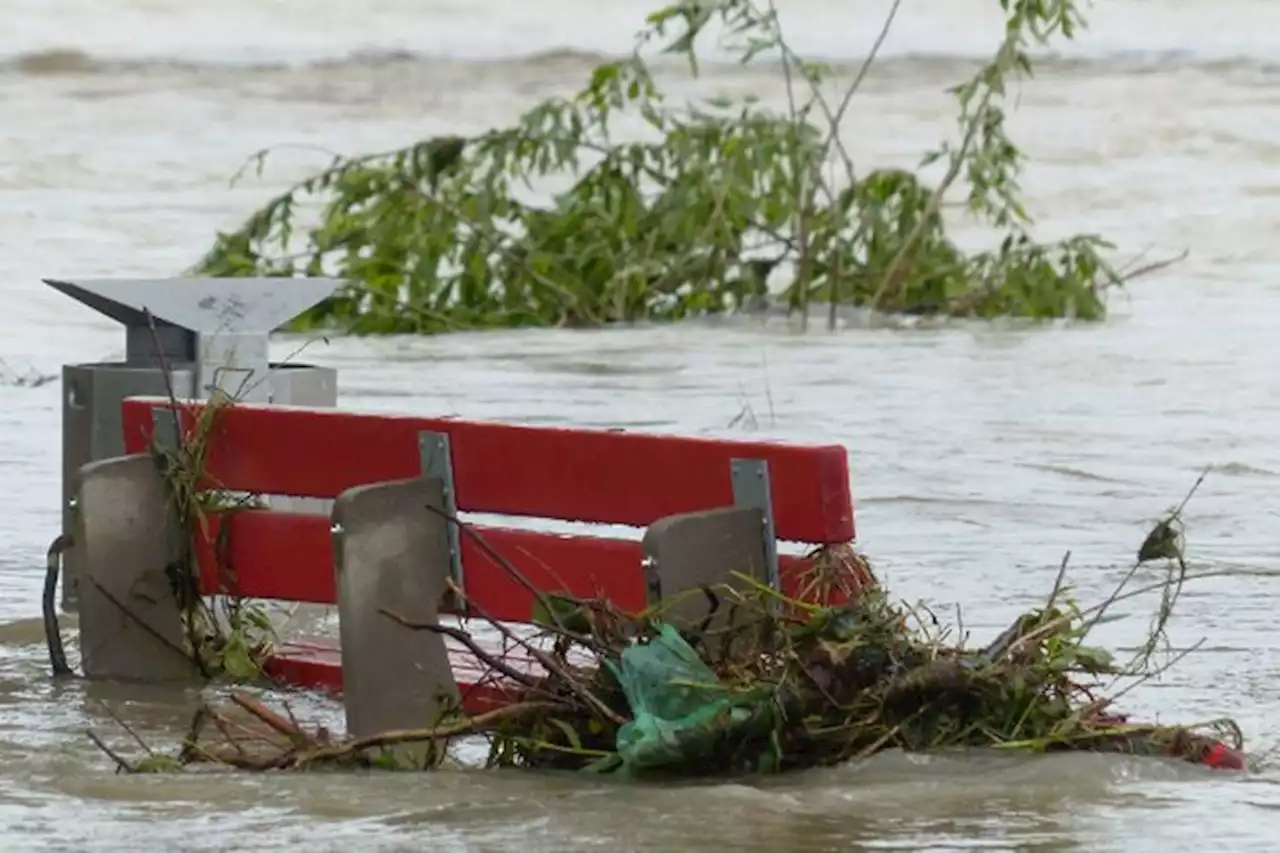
<point>697,219</point>
<point>769,684</point>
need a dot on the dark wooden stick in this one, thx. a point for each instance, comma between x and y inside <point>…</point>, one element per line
<point>271,718</point>
<point>121,764</point>
<point>545,659</point>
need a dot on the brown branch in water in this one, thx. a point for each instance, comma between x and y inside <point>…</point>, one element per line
<point>221,723</point>
<point>249,734</point>
<point>270,718</point>
<point>1127,275</point>
<point>127,728</point>
<point>121,763</point>
<point>322,734</point>
<point>191,743</point>
<point>309,752</point>
<point>463,726</point>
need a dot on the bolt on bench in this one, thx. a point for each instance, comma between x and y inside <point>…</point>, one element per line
<point>709,508</point>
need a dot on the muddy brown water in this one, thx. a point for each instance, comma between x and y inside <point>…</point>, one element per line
<point>979,453</point>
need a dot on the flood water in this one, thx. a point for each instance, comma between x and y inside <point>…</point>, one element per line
<point>979,453</point>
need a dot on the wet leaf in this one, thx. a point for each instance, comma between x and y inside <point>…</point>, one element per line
<point>237,663</point>
<point>560,611</point>
<point>1094,660</point>
<point>1162,543</point>
<point>570,734</point>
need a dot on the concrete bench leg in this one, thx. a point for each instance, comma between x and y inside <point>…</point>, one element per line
<point>684,552</point>
<point>391,552</point>
<point>129,538</point>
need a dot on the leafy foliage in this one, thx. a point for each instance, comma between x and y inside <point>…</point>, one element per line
<point>442,235</point>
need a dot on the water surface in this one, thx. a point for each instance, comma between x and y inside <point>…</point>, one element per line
<point>979,453</point>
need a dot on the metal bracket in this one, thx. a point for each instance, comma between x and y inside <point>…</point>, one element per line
<point>751,489</point>
<point>164,428</point>
<point>436,460</point>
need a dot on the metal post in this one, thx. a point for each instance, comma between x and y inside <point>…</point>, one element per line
<point>711,547</point>
<point>390,556</point>
<point>164,428</point>
<point>435,459</point>
<point>751,488</point>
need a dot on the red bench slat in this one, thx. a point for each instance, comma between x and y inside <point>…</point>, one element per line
<point>569,474</point>
<point>289,556</point>
<point>315,666</point>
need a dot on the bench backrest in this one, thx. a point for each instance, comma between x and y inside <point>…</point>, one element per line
<point>580,475</point>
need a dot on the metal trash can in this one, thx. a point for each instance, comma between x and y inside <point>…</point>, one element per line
<point>203,334</point>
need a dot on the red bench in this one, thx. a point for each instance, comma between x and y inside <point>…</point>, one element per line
<point>799,493</point>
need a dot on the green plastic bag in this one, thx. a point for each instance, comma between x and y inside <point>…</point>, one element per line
<point>679,708</point>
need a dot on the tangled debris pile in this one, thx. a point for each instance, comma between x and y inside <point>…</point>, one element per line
<point>768,683</point>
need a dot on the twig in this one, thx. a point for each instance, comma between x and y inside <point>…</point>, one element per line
<point>800,174</point>
<point>1155,673</point>
<point>1154,266</point>
<point>853,88</point>
<point>1061,621</point>
<point>162,360</point>
<point>186,554</point>
<point>464,726</point>
<point>1058,581</point>
<point>271,718</point>
<point>191,743</point>
<point>1172,517</point>
<point>1120,593</point>
<point>545,659</point>
<point>463,637</point>
<point>129,730</point>
<point>293,720</point>
<point>222,724</point>
<point>225,724</point>
<point>121,764</point>
<point>1186,499</point>
<point>931,207</point>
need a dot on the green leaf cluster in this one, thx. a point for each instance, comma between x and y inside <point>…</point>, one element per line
<point>694,218</point>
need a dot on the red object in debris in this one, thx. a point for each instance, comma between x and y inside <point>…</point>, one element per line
<point>1219,756</point>
<point>1213,753</point>
<point>594,476</point>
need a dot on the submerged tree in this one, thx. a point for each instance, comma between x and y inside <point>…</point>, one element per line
<point>441,235</point>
